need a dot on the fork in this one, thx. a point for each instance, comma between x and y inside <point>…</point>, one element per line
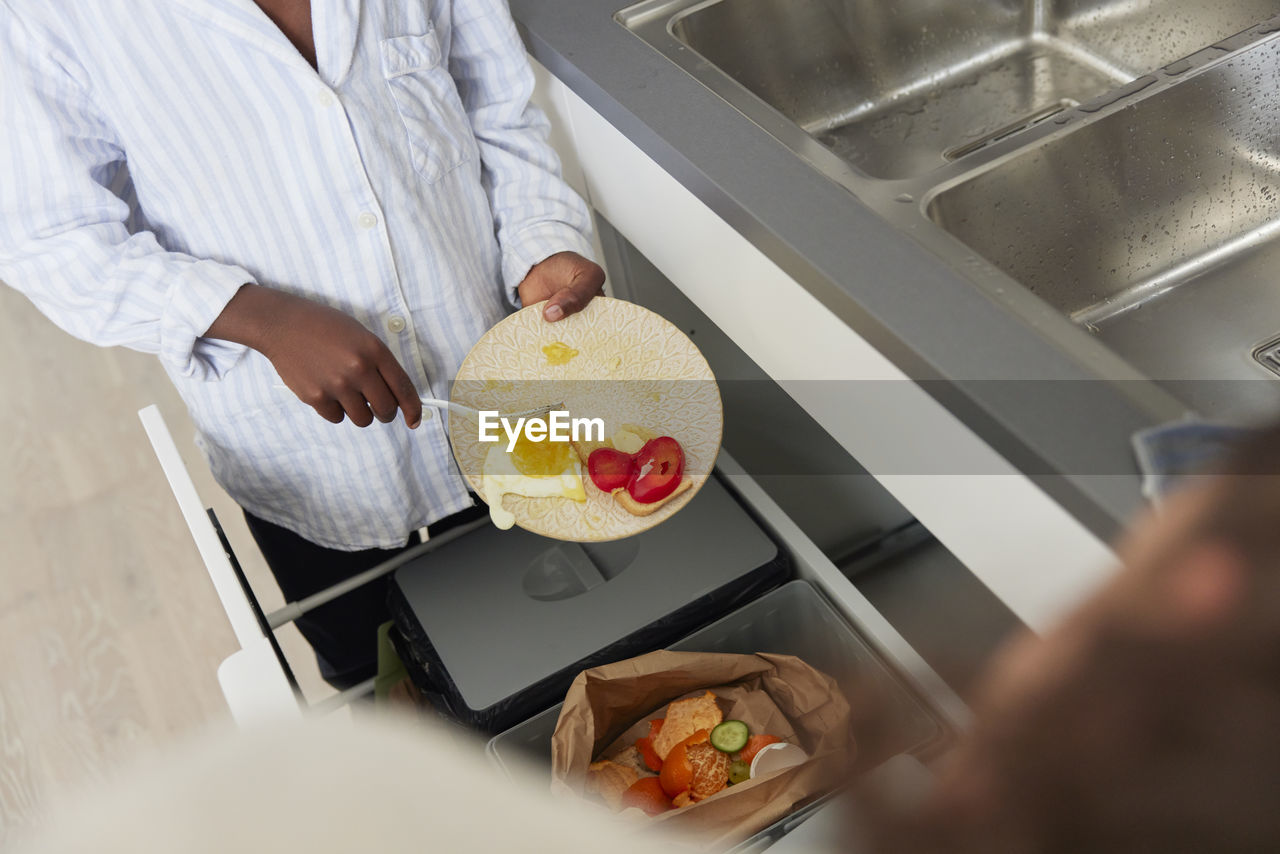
<point>461,409</point>
<point>475,413</point>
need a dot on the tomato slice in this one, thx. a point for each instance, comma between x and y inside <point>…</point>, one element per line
<point>610,468</point>
<point>659,465</point>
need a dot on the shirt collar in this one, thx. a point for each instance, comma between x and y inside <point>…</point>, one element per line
<point>335,22</point>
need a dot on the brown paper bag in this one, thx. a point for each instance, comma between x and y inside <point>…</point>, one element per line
<point>609,707</point>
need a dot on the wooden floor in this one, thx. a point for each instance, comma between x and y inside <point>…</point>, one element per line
<point>110,632</point>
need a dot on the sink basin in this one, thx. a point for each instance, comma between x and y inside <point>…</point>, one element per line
<point>1117,159</point>
<point>901,88</point>
<point>1156,226</point>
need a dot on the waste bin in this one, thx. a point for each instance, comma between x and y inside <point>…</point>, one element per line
<point>793,619</point>
<point>494,627</point>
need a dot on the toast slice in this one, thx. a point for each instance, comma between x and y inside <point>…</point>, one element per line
<point>684,718</point>
<point>635,508</point>
<point>609,780</point>
<point>629,757</point>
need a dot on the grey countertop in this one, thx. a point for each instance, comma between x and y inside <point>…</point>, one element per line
<point>1046,412</point>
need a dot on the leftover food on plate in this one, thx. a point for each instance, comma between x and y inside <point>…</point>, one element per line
<point>610,468</point>
<point>641,471</point>
<point>532,469</point>
<point>693,752</point>
<point>559,353</point>
<point>610,363</point>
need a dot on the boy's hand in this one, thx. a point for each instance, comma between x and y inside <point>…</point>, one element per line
<point>566,280</point>
<point>327,358</point>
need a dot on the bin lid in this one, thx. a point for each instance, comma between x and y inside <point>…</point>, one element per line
<point>504,610</point>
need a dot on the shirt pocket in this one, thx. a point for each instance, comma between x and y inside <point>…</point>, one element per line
<point>440,137</point>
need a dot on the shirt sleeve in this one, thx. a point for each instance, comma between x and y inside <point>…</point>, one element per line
<point>536,213</point>
<point>64,242</point>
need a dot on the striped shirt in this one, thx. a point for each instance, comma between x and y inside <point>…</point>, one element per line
<point>158,154</point>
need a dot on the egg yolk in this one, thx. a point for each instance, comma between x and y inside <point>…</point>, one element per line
<point>542,458</point>
<point>559,353</point>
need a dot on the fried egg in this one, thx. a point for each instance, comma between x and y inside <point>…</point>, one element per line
<point>532,469</point>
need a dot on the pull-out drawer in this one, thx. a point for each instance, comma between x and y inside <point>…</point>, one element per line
<point>794,619</point>
<point>256,678</point>
<point>820,616</point>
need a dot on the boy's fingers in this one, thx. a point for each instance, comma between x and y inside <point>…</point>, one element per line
<point>574,298</point>
<point>381,400</point>
<point>357,408</point>
<point>401,388</point>
<point>330,410</point>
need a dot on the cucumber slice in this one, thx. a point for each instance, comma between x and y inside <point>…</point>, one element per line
<point>739,772</point>
<point>730,736</point>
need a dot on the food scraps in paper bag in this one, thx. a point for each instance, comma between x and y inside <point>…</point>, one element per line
<point>739,704</point>
<point>683,719</point>
<point>609,780</point>
<point>693,750</point>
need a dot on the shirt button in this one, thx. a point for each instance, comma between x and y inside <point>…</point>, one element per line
<point>366,220</point>
<point>326,99</point>
<point>428,413</point>
<point>395,325</point>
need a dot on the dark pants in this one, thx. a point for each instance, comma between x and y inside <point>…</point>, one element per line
<point>343,632</point>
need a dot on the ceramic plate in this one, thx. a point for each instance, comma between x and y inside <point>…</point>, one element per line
<point>631,367</point>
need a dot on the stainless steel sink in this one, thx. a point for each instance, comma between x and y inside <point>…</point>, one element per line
<point>1156,226</point>
<point>1109,170</point>
<point>900,88</point>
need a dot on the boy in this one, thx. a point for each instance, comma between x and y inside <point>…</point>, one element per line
<point>338,197</point>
